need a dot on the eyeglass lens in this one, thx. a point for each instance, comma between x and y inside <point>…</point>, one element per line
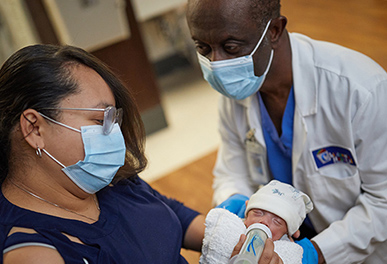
<point>111,116</point>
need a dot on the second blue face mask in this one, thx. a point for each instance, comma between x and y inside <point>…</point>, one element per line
<point>235,78</point>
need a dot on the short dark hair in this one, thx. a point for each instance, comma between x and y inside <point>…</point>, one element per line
<point>39,76</point>
<point>261,11</point>
<point>264,10</point>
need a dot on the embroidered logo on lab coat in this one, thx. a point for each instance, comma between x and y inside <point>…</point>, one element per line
<point>331,155</point>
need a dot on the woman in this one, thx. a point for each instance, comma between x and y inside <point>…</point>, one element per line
<point>71,146</point>
<point>53,101</point>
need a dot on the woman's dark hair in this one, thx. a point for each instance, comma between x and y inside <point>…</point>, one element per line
<point>39,77</point>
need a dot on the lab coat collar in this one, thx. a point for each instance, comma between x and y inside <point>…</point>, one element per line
<point>304,79</point>
<point>247,101</point>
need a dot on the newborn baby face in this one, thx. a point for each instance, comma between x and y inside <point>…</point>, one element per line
<point>275,223</point>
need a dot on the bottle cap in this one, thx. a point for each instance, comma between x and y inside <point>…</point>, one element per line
<point>260,226</point>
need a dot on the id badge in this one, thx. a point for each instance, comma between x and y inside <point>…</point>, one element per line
<point>256,156</point>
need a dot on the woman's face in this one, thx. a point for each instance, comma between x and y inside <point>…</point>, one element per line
<point>64,144</point>
<point>275,223</point>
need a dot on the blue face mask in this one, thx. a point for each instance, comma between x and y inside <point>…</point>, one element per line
<point>235,78</point>
<point>104,155</point>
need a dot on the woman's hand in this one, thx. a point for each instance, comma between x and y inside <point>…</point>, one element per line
<point>268,255</point>
<point>238,246</point>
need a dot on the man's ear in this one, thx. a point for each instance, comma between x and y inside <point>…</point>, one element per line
<point>31,127</point>
<point>276,29</point>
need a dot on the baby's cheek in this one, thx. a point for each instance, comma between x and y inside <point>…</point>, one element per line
<point>276,232</point>
<point>248,221</point>
<point>275,235</point>
<point>252,219</point>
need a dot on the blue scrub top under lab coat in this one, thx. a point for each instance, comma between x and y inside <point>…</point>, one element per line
<point>279,148</point>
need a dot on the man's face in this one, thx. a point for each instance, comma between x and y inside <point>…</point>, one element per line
<point>224,29</point>
<point>275,223</point>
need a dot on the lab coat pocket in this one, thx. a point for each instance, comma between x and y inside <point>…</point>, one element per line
<point>335,193</point>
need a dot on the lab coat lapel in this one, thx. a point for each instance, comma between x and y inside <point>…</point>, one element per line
<point>299,138</point>
<point>305,94</point>
<point>254,118</point>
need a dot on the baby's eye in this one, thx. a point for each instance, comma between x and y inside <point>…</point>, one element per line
<point>258,212</point>
<point>277,221</point>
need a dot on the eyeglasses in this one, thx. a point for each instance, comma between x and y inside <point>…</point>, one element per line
<point>111,116</point>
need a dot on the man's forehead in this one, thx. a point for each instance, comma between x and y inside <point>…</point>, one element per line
<point>233,14</point>
<point>226,7</point>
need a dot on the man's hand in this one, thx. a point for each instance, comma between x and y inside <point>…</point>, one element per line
<point>235,204</point>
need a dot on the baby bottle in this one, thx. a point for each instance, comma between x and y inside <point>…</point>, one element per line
<point>251,251</point>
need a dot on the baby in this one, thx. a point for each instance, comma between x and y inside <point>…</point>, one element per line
<point>277,205</point>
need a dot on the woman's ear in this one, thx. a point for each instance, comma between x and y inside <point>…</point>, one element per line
<point>31,127</point>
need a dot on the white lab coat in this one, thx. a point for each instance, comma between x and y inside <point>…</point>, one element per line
<point>341,101</point>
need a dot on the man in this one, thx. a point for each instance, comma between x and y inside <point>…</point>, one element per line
<point>304,112</point>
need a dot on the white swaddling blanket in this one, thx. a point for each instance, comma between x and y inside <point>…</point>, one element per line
<point>222,233</point>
